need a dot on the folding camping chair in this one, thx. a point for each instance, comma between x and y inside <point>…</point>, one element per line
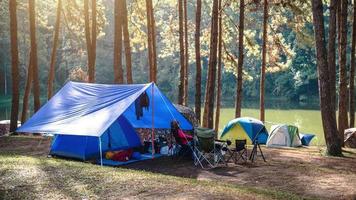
<point>181,150</point>
<point>239,152</point>
<point>206,151</point>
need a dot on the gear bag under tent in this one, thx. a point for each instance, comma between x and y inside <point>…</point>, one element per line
<point>87,119</point>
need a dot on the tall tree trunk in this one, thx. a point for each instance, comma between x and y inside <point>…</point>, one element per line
<point>154,52</point>
<point>93,42</point>
<point>198,62</point>
<point>54,52</point>
<point>182,54</point>
<point>210,89</point>
<point>14,66</point>
<point>87,34</point>
<point>218,93</point>
<point>126,34</point>
<point>27,91</point>
<point>343,93</point>
<point>331,52</point>
<point>151,41</point>
<point>36,84</point>
<point>118,72</point>
<point>352,72</point>
<point>186,54</point>
<point>263,67</point>
<point>240,61</point>
<point>327,113</point>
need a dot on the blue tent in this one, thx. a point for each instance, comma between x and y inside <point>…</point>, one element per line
<point>245,128</point>
<point>87,118</point>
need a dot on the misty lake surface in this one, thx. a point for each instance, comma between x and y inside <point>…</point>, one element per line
<point>305,115</point>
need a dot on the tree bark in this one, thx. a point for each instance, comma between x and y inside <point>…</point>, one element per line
<point>198,62</point>
<point>93,42</point>
<point>154,52</point>
<point>151,32</point>
<point>27,91</point>
<point>263,66</point>
<point>14,66</point>
<point>54,52</point>
<point>118,72</point>
<point>218,92</point>
<point>210,97</point>
<point>149,40</point>
<point>36,84</point>
<point>186,54</point>
<point>126,34</point>
<point>240,61</point>
<point>327,113</point>
<point>87,34</point>
<point>182,54</point>
<point>331,52</point>
<point>352,72</point>
<point>343,92</point>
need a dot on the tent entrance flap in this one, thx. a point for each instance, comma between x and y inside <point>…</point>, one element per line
<point>120,135</point>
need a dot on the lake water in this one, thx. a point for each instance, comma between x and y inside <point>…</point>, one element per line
<point>305,115</point>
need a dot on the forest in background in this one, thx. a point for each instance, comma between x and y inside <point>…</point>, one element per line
<point>291,64</point>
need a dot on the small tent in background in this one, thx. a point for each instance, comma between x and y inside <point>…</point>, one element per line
<point>306,138</point>
<point>350,138</point>
<point>284,135</point>
<point>244,128</point>
<point>88,118</point>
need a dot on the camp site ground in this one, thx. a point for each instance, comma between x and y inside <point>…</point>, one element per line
<point>289,173</point>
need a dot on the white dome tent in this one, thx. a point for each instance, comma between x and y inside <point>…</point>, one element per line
<point>284,135</point>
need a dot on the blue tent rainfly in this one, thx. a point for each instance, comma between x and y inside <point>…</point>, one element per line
<point>87,117</point>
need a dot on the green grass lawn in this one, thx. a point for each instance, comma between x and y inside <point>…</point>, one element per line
<point>25,174</point>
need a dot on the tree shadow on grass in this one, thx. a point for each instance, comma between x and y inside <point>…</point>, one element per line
<point>292,170</point>
<point>167,166</point>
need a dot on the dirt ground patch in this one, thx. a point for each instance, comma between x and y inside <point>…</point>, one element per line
<point>301,171</point>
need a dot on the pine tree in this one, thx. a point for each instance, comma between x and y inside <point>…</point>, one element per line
<point>218,92</point>
<point>240,61</point>
<point>118,72</point>
<point>182,54</point>
<point>34,63</point>
<point>263,66</point>
<point>198,62</point>
<point>14,66</point>
<point>54,52</point>
<point>127,46</point>
<point>343,91</point>
<point>186,54</point>
<point>27,93</point>
<point>352,72</point>
<point>208,119</point>
<point>327,112</point>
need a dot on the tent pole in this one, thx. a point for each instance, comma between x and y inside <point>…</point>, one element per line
<point>101,153</point>
<point>153,129</point>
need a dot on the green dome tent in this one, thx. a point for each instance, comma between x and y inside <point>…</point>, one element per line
<point>284,135</point>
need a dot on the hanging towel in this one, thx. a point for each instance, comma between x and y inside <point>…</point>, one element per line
<point>141,102</point>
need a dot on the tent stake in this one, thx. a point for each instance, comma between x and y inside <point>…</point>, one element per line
<point>101,153</point>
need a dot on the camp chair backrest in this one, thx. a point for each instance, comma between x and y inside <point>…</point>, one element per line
<point>206,138</point>
<point>206,143</point>
<point>240,144</point>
